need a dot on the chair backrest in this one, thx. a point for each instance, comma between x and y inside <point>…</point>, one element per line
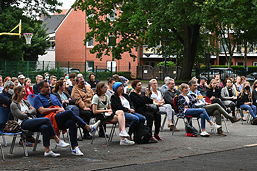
<point>175,104</point>
<point>207,99</point>
<point>31,99</point>
<point>4,117</point>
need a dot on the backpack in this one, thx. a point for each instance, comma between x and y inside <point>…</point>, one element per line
<point>142,135</point>
<point>254,121</point>
<point>191,130</point>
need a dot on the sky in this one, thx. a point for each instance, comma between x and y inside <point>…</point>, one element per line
<point>67,3</point>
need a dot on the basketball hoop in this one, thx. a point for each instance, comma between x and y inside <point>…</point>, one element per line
<point>28,37</point>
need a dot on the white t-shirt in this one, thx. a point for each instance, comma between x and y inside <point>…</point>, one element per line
<point>24,108</point>
<point>157,96</point>
<point>124,102</point>
<point>187,99</point>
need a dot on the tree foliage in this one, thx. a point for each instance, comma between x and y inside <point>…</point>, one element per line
<point>181,27</point>
<point>13,47</point>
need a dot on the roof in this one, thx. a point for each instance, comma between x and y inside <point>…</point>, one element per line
<point>52,22</point>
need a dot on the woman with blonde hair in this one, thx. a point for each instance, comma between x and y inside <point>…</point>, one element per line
<point>157,97</point>
<point>24,113</point>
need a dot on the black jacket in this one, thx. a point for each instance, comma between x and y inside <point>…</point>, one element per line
<point>140,101</point>
<point>243,99</point>
<point>169,95</point>
<point>117,105</point>
<point>214,92</point>
<point>5,98</point>
<point>71,101</point>
<point>254,97</point>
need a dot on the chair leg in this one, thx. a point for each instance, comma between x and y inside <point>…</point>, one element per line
<point>199,125</point>
<point>112,133</point>
<point>105,135</point>
<point>2,152</point>
<point>175,126</point>
<point>68,136</point>
<point>4,141</point>
<point>164,121</point>
<point>81,135</point>
<point>23,139</point>
<point>225,123</point>
<point>13,143</point>
<point>37,138</point>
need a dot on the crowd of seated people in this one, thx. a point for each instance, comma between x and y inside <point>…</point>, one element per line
<point>70,102</point>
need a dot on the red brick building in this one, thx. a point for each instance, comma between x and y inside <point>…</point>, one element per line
<point>69,40</point>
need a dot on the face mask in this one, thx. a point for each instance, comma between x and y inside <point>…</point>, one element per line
<point>247,88</point>
<point>11,91</point>
<point>66,77</point>
<point>47,77</point>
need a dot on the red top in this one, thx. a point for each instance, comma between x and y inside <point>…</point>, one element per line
<point>29,90</point>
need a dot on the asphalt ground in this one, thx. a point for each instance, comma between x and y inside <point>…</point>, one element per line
<point>174,152</point>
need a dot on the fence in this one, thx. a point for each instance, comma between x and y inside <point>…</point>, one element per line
<point>147,72</point>
<point>32,68</point>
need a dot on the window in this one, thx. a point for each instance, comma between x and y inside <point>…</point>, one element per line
<point>90,66</point>
<point>111,41</point>
<point>112,15</point>
<point>254,63</point>
<point>90,42</point>
<point>51,43</point>
<point>223,46</point>
<point>111,65</point>
<point>240,63</point>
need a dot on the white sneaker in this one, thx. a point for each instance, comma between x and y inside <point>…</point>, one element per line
<point>51,154</point>
<point>215,126</point>
<point>123,134</point>
<point>62,144</point>
<point>204,134</point>
<point>93,128</point>
<point>77,152</point>
<point>126,141</point>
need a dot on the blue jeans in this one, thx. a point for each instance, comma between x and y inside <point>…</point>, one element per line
<point>42,125</point>
<point>250,108</point>
<point>198,112</point>
<point>4,116</point>
<point>135,119</point>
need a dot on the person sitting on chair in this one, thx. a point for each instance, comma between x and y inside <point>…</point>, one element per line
<point>159,101</point>
<point>245,101</point>
<point>121,101</point>
<point>83,99</point>
<point>101,107</point>
<point>229,97</point>
<point>46,103</point>
<point>142,102</point>
<point>186,106</point>
<point>212,109</point>
<point>24,113</point>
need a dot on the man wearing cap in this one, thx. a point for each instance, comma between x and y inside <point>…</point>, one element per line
<point>202,87</point>
<point>21,79</point>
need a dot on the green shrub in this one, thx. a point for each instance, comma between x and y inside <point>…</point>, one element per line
<point>168,63</point>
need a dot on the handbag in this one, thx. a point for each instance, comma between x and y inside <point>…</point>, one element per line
<point>12,126</point>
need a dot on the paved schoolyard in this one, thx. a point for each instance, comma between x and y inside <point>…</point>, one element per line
<point>99,156</point>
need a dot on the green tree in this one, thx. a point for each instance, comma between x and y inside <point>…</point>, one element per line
<point>13,47</point>
<point>32,7</point>
<point>178,25</point>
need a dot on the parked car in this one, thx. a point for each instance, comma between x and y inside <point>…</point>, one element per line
<point>69,70</point>
<point>224,72</point>
<point>252,76</point>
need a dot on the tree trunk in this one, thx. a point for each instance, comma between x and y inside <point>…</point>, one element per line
<point>191,36</point>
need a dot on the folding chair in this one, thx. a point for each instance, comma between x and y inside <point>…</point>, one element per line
<point>107,140</point>
<point>2,152</point>
<point>31,98</point>
<point>241,112</point>
<point>23,140</point>
<point>186,118</point>
<point>164,120</point>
